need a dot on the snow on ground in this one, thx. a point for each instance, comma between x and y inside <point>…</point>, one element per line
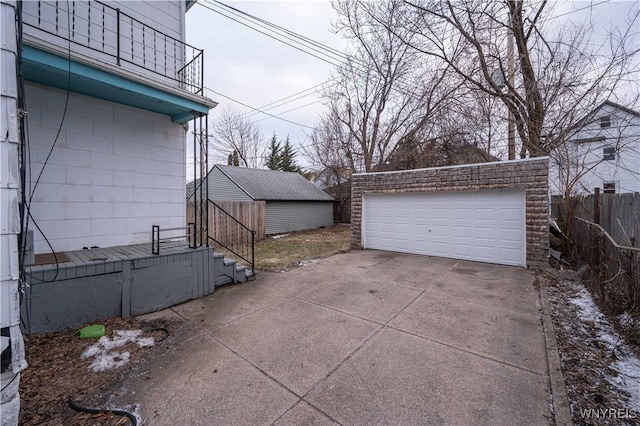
<point>106,357</point>
<point>627,365</point>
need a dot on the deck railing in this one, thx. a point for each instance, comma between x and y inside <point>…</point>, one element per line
<point>233,236</point>
<point>156,239</point>
<point>118,38</point>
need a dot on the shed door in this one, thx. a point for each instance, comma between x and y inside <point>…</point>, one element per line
<point>483,226</point>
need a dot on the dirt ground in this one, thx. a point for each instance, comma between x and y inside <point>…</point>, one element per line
<point>586,361</point>
<point>57,371</point>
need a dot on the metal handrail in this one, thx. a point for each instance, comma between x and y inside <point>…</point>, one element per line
<point>155,236</point>
<point>233,250</point>
<point>90,24</point>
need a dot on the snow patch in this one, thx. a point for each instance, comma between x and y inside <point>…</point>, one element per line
<point>303,263</point>
<point>627,364</point>
<point>105,355</point>
<point>277,237</point>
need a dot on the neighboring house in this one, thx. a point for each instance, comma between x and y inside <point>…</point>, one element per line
<point>601,151</point>
<point>292,203</point>
<point>110,89</point>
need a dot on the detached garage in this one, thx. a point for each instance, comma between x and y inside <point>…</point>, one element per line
<point>291,202</point>
<point>489,212</point>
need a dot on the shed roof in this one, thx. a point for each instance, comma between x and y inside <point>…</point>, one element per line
<point>274,185</point>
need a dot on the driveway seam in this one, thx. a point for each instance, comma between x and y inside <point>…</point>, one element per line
<point>262,371</point>
<point>245,315</point>
<point>499,308</point>
<point>466,351</point>
<point>383,326</point>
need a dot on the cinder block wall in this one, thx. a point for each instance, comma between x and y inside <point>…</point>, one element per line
<point>114,171</point>
<point>530,175</point>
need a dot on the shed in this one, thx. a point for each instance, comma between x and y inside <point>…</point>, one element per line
<point>292,203</point>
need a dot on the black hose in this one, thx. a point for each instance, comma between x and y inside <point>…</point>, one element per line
<point>130,416</point>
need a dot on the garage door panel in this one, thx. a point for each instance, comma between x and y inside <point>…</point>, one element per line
<point>486,226</point>
<point>511,235</point>
<point>487,233</point>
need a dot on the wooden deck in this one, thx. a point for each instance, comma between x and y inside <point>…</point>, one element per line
<point>99,283</point>
<point>96,261</point>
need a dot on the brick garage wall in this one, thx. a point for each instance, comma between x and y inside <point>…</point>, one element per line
<point>530,175</point>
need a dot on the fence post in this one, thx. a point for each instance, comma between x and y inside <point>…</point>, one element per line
<point>596,206</point>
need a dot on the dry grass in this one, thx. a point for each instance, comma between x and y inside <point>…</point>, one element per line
<point>278,254</point>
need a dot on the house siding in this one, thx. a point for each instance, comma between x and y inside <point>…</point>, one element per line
<point>114,171</point>
<point>221,188</point>
<point>586,158</point>
<point>286,216</point>
<point>530,175</point>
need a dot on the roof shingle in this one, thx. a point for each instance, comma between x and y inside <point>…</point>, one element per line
<point>274,185</point>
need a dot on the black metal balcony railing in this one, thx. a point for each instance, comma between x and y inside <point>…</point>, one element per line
<point>126,41</point>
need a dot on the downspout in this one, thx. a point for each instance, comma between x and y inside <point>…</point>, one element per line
<point>13,359</point>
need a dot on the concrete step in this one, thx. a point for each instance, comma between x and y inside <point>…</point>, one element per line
<point>230,271</point>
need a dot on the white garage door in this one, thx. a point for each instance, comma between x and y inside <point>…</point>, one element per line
<point>484,226</point>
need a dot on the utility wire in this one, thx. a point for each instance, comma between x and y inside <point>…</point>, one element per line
<point>271,36</point>
<point>285,30</point>
<point>259,110</point>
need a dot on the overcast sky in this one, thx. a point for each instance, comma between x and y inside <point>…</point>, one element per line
<point>257,70</point>
<point>254,69</point>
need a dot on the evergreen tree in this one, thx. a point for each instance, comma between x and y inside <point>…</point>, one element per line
<point>273,159</point>
<point>287,158</point>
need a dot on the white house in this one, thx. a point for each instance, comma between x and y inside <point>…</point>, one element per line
<point>110,88</point>
<point>96,98</point>
<point>601,151</point>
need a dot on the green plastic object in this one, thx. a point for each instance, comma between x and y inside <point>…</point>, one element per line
<point>92,331</point>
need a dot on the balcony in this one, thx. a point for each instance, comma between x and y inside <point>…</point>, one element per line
<point>104,49</point>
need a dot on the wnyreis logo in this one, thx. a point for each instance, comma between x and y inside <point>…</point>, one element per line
<point>608,413</point>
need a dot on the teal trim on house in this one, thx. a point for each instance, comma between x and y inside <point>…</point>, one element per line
<point>190,3</point>
<point>53,70</point>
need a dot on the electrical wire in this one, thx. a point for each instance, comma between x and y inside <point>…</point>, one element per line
<point>280,102</point>
<point>269,35</point>
<point>345,60</point>
<point>257,109</point>
<point>25,163</point>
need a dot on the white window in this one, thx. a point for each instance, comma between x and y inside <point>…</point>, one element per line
<point>609,153</point>
<point>609,187</point>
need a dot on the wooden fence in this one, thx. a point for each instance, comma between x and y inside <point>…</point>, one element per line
<point>618,214</point>
<point>250,213</point>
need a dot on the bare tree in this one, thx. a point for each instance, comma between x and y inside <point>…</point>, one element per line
<point>234,135</point>
<point>556,74</point>
<point>385,91</point>
<point>326,152</point>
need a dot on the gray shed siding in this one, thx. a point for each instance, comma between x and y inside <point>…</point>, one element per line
<point>286,216</point>
<point>221,188</point>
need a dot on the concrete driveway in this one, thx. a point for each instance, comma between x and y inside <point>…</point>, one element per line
<point>366,337</point>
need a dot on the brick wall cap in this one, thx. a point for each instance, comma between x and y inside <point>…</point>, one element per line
<point>460,166</point>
